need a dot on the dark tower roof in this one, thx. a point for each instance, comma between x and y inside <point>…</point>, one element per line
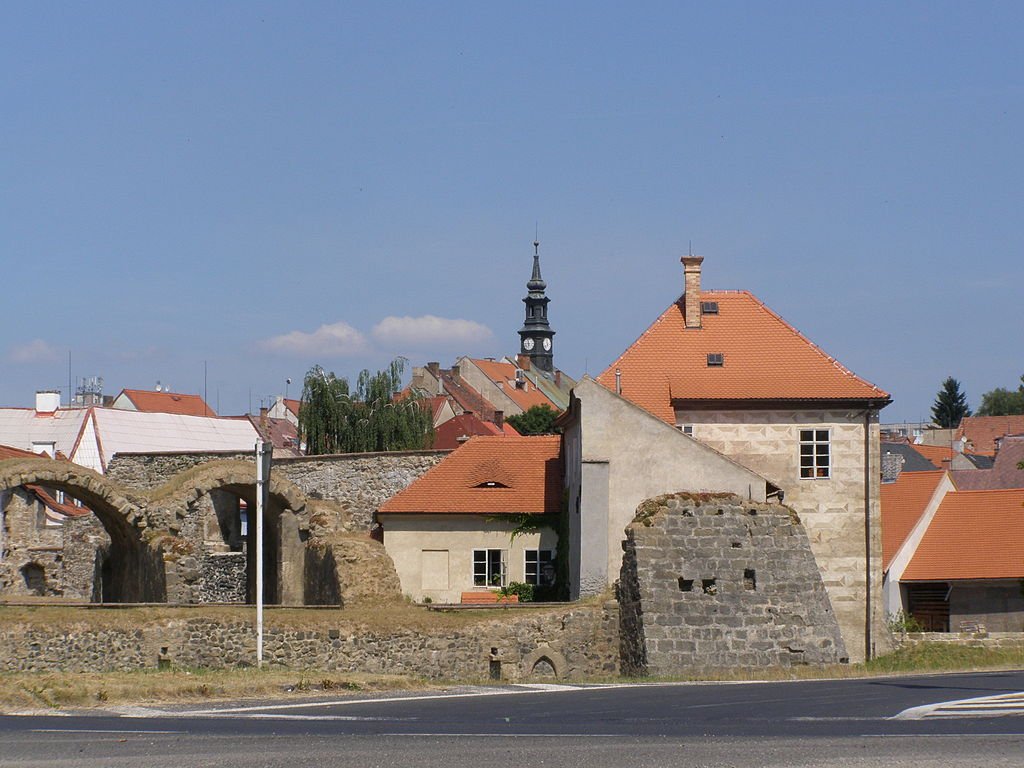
<point>536,283</point>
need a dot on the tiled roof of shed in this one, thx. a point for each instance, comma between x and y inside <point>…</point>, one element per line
<point>974,535</point>
<point>526,471</point>
<point>764,358</point>
<point>903,502</point>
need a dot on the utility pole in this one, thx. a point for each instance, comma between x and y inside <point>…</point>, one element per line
<point>264,455</point>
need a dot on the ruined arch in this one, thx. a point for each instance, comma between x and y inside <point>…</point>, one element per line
<point>544,653</point>
<point>134,566</point>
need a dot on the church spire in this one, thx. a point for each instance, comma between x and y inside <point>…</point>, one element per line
<point>536,336</point>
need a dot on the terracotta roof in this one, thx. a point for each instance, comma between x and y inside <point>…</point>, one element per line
<point>903,502</point>
<point>974,535</point>
<point>982,431</point>
<point>69,510</point>
<point>465,425</point>
<point>293,406</point>
<point>149,401</point>
<point>281,433</point>
<point>764,359</point>
<point>939,455</point>
<point>467,398</point>
<point>1003,474</point>
<point>9,452</point>
<point>504,375</point>
<point>527,471</point>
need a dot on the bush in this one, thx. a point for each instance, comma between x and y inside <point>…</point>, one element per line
<point>524,591</point>
<point>901,623</point>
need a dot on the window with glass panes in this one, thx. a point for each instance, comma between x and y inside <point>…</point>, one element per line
<point>815,453</point>
<point>540,567</point>
<point>489,567</point>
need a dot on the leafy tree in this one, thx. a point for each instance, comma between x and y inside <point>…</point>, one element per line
<point>335,419</point>
<point>538,420</point>
<point>1003,402</point>
<point>950,405</point>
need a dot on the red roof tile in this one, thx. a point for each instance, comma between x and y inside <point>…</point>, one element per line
<point>764,359</point>
<point>974,535</point>
<point>168,402</point>
<point>9,452</point>
<point>982,431</point>
<point>527,471</point>
<point>465,425</point>
<point>1005,471</point>
<point>504,375</point>
<point>903,502</point>
<point>939,455</point>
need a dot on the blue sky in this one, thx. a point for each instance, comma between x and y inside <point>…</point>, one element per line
<point>262,187</point>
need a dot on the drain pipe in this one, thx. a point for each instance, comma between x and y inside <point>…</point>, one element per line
<point>868,645</point>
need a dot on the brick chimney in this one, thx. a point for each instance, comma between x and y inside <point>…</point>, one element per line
<point>263,417</point>
<point>691,290</point>
<point>523,361</point>
<point>499,419</point>
<point>435,369</point>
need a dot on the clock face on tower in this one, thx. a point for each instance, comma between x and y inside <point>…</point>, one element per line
<point>528,344</point>
<point>547,345</point>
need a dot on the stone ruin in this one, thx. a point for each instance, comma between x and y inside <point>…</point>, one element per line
<point>187,540</point>
<point>711,581</point>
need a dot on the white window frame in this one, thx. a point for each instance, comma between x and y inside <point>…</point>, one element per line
<point>815,454</point>
<point>538,563</point>
<point>485,558</point>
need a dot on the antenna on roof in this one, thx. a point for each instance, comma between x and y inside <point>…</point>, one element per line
<point>691,247</point>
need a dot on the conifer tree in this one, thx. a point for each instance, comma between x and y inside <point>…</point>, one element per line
<point>950,405</point>
<point>334,419</point>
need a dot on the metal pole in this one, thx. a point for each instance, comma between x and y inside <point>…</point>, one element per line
<point>264,453</point>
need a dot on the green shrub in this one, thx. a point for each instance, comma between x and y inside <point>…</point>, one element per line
<point>524,591</point>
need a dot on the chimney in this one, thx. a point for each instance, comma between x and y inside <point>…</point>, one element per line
<point>455,371</point>
<point>263,417</point>
<point>691,290</point>
<point>499,419</point>
<point>47,402</point>
<point>558,378</point>
<point>523,361</point>
<point>435,369</point>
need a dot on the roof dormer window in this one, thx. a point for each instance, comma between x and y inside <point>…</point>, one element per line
<point>490,484</point>
<point>716,359</point>
<point>709,307</point>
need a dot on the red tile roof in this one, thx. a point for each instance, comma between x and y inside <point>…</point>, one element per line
<point>168,402</point>
<point>69,510</point>
<point>903,502</point>
<point>9,452</point>
<point>527,471</point>
<point>939,455</point>
<point>465,425</point>
<point>504,375</point>
<point>1005,471</point>
<point>974,535</point>
<point>467,398</point>
<point>293,406</point>
<point>982,431</point>
<point>764,359</point>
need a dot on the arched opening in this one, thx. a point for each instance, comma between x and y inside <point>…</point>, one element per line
<point>74,525</point>
<point>219,528</point>
<point>543,668</point>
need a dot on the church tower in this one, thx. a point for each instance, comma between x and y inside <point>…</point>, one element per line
<point>536,337</point>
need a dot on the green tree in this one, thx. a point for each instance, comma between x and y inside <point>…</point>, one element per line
<point>335,419</point>
<point>538,420</point>
<point>950,405</point>
<point>1003,402</point>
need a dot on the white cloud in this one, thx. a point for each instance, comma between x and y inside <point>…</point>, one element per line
<point>35,351</point>
<point>335,340</point>
<point>427,331</point>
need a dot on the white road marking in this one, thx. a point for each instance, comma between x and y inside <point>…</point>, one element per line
<point>982,706</point>
<point>96,730</point>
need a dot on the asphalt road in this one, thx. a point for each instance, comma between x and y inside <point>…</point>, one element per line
<point>821,723</point>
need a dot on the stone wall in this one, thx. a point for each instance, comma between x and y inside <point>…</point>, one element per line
<point>359,481</point>
<point>713,581</point>
<point>573,641</point>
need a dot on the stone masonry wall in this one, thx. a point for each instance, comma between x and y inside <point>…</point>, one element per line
<point>713,581</point>
<point>575,641</point>
<point>359,481</point>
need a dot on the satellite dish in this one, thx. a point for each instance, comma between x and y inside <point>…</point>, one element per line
<point>159,388</point>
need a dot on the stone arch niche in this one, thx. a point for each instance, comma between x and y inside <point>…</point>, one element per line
<point>130,569</point>
<point>212,516</point>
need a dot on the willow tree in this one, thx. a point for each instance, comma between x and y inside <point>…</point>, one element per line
<point>334,418</point>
